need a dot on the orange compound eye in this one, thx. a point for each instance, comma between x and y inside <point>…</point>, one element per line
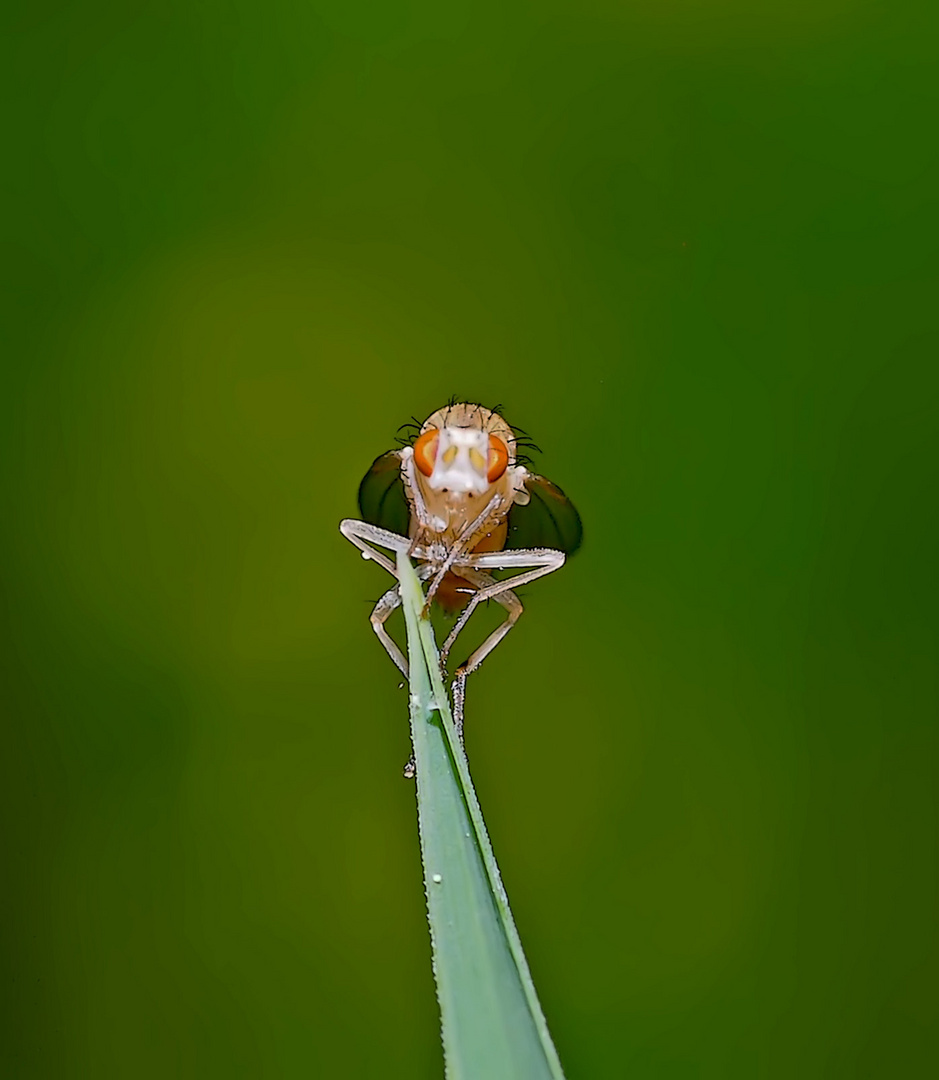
<point>498,458</point>
<point>425,451</point>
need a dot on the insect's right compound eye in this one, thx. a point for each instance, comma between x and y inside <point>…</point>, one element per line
<point>425,451</point>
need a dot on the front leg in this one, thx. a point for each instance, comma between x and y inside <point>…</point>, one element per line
<point>472,530</point>
<point>366,536</point>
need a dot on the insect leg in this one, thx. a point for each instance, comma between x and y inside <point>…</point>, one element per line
<point>388,603</point>
<point>425,526</point>
<point>500,591</point>
<point>458,690</point>
<point>456,551</point>
<point>534,563</point>
<point>365,536</point>
<point>482,581</point>
<point>385,606</point>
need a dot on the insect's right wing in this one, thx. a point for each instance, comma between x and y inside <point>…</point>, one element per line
<point>382,501</point>
<point>549,520</point>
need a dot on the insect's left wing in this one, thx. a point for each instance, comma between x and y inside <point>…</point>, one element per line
<point>549,520</point>
<point>382,501</point>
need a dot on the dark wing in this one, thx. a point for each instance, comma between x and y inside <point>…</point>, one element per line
<point>548,521</point>
<point>382,501</point>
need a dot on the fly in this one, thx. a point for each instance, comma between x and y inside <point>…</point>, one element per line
<point>461,502</point>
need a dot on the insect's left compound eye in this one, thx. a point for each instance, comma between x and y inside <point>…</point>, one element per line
<point>425,451</point>
<point>498,458</point>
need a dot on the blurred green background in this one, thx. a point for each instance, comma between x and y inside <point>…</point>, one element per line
<point>690,245</point>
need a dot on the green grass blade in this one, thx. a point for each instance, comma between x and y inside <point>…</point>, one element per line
<point>492,1024</point>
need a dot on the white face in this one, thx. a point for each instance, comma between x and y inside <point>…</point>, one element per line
<point>462,461</point>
